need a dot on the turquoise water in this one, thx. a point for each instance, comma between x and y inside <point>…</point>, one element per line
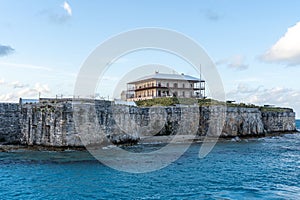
<point>298,124</point>
<point>265,168</point>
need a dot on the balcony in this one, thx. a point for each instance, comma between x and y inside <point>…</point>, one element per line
<point>161,86</point>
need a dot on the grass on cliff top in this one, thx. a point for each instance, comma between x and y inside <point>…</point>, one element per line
<point>202,102</point>
<point>188,101</point>
<point>275,109</point>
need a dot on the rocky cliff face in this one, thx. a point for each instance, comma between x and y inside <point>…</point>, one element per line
<point>279,121</point>
<point>10,131</point>
<point>52,123</point>
<point>243,122</point>
<point>49,124</point>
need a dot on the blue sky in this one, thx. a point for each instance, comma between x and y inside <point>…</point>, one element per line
<point>253,43</point>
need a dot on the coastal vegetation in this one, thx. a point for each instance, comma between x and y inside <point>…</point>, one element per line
<point>172,101</point>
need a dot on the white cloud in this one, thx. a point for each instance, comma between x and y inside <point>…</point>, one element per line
<point>2,81</point>
<point>58,15</point>
<point>236,62</point>
<point>26,92</point>
<point>8,98</point>
<point>67,8</point>
<point>244,88</point>
<point>286,49</point>
<point>278,96</point>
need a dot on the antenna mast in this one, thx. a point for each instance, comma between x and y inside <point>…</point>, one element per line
<point>200,83</point>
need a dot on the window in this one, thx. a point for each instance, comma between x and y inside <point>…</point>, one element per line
<point>159,84</point>
<point>183,94</point>
<point>183,85</point>
<point>175,85</point>
<point>167,84</point>
<point>159,93</point>
<point>191,85</point>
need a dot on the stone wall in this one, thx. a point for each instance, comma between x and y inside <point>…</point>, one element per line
<point>52,123</point>
<point>9,123</point>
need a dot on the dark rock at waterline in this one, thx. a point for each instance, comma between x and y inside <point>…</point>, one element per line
<point>124,139</point>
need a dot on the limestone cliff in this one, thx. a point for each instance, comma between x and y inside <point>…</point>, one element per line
<point>52,122</point>
<point>279,121</point>
<point>10,130</point>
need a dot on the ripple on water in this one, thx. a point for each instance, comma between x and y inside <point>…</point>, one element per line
<point>266,168</point>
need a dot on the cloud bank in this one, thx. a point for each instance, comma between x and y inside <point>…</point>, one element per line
<point>5,50</point>
<point>278,96</point>
<point>286,49</point>
<point>25,91</point>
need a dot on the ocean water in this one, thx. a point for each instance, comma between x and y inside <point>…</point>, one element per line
<point>264,168</point>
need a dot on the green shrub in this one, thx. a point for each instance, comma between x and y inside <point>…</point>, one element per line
<point>171,101</point>
<point>274,109</point>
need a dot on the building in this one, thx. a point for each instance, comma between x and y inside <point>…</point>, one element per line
<point>160,85</point>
